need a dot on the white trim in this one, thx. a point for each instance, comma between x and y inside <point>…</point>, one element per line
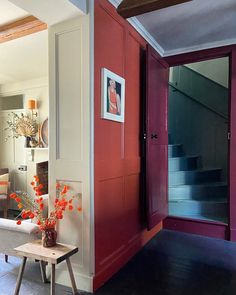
<point>199,47</point>
<point>146,35</point>
<point>115,2</point>
<point>83,282</point>
<point>81,4</point>
<point>92,227</point>
<point>141,29</point>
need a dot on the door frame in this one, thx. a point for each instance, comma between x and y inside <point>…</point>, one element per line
<point>203,227</point>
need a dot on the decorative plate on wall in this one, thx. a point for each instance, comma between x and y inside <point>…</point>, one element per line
<point>44,133</point>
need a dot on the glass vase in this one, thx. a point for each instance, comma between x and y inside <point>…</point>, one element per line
<point>49,237</point>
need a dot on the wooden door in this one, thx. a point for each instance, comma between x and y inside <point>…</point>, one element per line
<point>157,138</point>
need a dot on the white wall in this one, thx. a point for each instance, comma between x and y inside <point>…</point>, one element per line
<point>37,89</point>
<point>70,138</point>
<point>215,69</point>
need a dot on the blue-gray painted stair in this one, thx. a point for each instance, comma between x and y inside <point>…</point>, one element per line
<point>195,192</point>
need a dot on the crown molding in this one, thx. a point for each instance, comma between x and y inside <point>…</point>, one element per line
<point>141,30</point>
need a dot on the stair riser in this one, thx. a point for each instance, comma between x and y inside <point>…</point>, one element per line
<point>198,208</point>
<point>193,177</point>
<point>175,151</point>
<point>182,163</point>
<point>198,193</point>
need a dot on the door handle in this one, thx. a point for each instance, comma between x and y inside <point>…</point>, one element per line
<point>153,136</point>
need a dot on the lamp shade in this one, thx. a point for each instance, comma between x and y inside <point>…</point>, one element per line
<point>31,104</point>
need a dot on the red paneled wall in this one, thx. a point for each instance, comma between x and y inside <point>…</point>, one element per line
<point>119,233</point>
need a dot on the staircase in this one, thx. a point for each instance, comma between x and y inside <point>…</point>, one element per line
<point>195,192</point>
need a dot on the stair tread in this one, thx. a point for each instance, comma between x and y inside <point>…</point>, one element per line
<point>215,183</point>
<point>196,170</point>
<point>175,144</point>
<point>184,157</point>
<point>223,201</point>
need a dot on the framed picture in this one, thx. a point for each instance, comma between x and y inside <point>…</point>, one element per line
<point>113,96</point>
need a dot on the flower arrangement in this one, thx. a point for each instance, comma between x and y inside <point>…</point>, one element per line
<point>22,125</point>
<point>32,207</point>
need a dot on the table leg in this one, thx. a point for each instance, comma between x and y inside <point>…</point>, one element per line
<point>43,272</point>
<point>20,276</point>
<point>72,278</point>
<point>53,279</point>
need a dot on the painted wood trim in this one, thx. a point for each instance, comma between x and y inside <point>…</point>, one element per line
<point>21,28</point>
<point>199,227</point>
<point>129,8</point>
<point>200,55</point>
<point>232,146</point>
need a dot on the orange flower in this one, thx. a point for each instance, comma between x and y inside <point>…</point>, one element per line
<point>36,178</point>
<point>71,207</point>
<point>18,200</point>
<point>38,193</point>
<point>59,214</point>
<point>65,190</point>
<point>13,195</point>
<point>32,183</point>
<point>31,216</point>
<point>79,209</point>
<point>40,186</point>
<point>24,215</point>
<point>20,206</point>
<point>18,222</point>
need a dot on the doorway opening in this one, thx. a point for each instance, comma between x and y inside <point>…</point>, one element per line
<point>198,120</point>
<point>24,107</point>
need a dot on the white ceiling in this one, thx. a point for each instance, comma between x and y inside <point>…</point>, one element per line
<point>53,11</point>
<point>10,12</point>
<point>191,26</point>
<point>25,58</point>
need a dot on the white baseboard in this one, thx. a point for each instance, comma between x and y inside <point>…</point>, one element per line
<point>84,282</point>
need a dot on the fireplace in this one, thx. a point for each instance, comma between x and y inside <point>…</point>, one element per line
<point>42,172</point>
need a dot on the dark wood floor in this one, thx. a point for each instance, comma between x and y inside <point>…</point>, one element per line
<point>177,264</point>
<point>170,264</point>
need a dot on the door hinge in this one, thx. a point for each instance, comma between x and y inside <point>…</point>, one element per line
<point>229,136</point>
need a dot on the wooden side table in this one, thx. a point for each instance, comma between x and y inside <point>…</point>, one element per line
<point>53,255</point>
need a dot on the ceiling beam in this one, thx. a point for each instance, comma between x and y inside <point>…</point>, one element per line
<point>20,28</point>
<point>129,8</point>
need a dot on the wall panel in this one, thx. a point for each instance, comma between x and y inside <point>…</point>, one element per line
<point>69,146</point>
<point>119,231</point>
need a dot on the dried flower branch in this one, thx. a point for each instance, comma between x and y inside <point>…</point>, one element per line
<point>32,207</point>
<point>21,125</point>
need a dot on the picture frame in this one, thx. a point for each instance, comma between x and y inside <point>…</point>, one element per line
<point>112,96</point>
